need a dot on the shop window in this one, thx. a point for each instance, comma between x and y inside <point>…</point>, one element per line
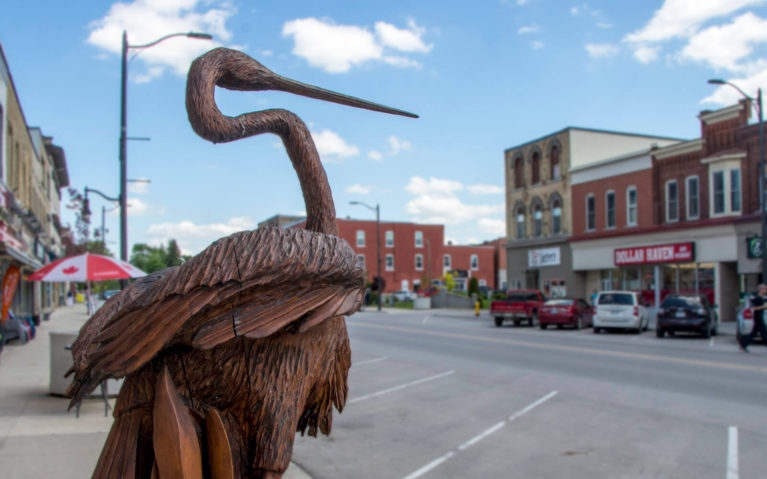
<point>556,218</point>
<point>537,220</point>
<point>631,206</point>
<point>361,261</point>
<point>610,209</point>
<point>555,172</point>
<point>725,189</point>
<point>419,239</point>
<point>419,262</point>
<point>591,215</point>
<point>360,238</point>
<point>520,223</point>
<point>389,239</point>
<point>536,162</point>
<point>389,262</point>
<point>474,262</point>
<point>519,171</point>
<point>693,198</point>
<point>672,201</point>
<point>446,261</point>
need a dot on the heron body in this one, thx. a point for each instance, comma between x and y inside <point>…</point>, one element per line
<point>228,355</point>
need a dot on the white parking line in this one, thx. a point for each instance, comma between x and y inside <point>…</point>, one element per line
<point>436,462</point>
<point>401,386</point>
<point>732,453</point>
<point>371,361</point>
<point>711,343</point>
<point>426,318</point>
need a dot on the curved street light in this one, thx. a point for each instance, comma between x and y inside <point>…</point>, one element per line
<point>377,209</point>
<point>763,212</point>
<point>123,138</point>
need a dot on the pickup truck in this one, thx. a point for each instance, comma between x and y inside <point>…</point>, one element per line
<point>519,305</point>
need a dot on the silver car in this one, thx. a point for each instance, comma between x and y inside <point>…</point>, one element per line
<point>620,310</point>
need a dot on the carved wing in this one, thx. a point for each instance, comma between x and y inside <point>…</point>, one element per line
<point>250,284</point>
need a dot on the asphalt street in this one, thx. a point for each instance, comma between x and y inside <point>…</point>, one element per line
<point>449,395</point>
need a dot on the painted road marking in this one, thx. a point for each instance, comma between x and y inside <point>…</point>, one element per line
<point>436,462</point>
<point>401,386</point>
<point>577,349</point>
<point>732,453</point>
<point>426,318</point>
<point>371,361</point>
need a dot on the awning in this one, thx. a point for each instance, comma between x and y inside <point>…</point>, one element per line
<point>23,258</point>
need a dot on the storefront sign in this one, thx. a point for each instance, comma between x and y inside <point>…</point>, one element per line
<point>667,253</point>
<point>543,257</point>
<point>10,281</point>
<point>754,248</point>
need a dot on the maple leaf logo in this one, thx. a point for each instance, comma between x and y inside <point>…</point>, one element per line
<point>70,270</point>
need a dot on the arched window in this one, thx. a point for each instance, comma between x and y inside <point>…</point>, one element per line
<point>520,222</point>
<point>519,171</point>
<point>536,161</point>
<point>556,217</point>
<point>555,171</point>
<point>537,220</point>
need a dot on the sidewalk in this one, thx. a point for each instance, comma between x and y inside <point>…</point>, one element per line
<point>38,437</point>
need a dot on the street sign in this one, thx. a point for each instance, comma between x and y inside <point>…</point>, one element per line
<point>755,249</point>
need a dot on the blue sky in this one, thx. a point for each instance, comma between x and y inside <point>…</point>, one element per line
<point>484,76</point>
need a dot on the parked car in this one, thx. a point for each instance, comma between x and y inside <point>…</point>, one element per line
<point>620,310</point>
<point>519,305</point>
<point>687,313</point>
<point>565,312</point>
<point>404,295</point>
<point>106,294</point>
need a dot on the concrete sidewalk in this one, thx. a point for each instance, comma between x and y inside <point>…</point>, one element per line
<point>38,437</point>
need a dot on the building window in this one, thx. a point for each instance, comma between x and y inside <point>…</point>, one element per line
<point>419,262</point>
<point>536,161</point>
<point>474,262</point>
<point>726,190</point>
<point>591,214</point>
<point>693,198</point>
<point>521,223</point>
<point>555,172</point>
<point>631,206</point>
<point>537,220</point>
<point>610,209</point>
<point>360,238</point>
<point>556,218</point>
<point>519,171</point>
<point>735,190</point>
<point>361,261</point>
<point>389,239</point>
<point>446,261</point>
<point>672,201</point>
<point>419,239</point>
<point>389,262</point>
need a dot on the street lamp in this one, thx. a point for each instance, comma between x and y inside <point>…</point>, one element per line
<point>123,138</point>
<point>763,212</point>
<point>377,209</point>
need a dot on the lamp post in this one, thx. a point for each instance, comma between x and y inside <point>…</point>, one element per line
<point>123,138</point>
<point>762,211</point>
<point>86,210</point>
<point>377,209</point>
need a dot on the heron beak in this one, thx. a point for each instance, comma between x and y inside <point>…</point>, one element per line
<point>311,91</point>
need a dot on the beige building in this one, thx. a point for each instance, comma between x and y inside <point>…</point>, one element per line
<point>539,207</point>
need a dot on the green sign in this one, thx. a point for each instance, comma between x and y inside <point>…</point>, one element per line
<point>755,248</point>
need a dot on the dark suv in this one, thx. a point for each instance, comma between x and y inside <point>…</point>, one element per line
<point>690,313</point>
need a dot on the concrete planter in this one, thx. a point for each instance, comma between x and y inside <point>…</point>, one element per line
<point>422,303</point>
<point>61,361</point>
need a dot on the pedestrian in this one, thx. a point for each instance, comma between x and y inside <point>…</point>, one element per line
<point>594,297</point>
<point>758,305</point>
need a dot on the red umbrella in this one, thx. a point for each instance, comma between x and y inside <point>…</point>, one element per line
<point>86,267</point>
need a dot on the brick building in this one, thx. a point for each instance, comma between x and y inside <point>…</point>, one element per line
<point>676,218</point>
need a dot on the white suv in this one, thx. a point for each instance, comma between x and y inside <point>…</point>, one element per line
<point>620,309</point>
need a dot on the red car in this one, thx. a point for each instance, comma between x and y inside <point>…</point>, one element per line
<point>565,312</point>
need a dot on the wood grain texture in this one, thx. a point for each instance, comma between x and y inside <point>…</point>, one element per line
<point>219,450</point>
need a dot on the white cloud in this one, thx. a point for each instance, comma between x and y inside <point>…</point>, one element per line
<point>148,20</point>
<point>486,189</point>
<point>604,25</point>
<point>136,207</point>
<point>492,226</point>
<point>374,155</point>
<point>601,50</point>
<point>646,54</point>
<point>536,45</point>
<point>193,238</point>
<point>398,145</point>
<point>419,186</point>
<point>724,46</point>
<point>138,187</point>
<point>339,48</point>
<point>332,147</point>
<point>528,29</point>
<point>362,190</point>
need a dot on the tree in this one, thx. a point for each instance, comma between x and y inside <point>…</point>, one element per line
<point>473,286</point>
<point>449,283</point>
<point>148,258</point>
<point>173,257</point>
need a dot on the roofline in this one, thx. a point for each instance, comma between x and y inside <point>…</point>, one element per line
<point>592,130</point>
<point>16,94</point>
<point>615,159</point>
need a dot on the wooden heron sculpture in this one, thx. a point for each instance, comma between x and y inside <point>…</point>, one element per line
<point>228,355</point>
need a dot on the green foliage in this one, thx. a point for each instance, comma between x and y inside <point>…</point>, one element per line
<point>473,286</point>
<point>449,283</point>
<point>173,257</point>
<point>153,258</point>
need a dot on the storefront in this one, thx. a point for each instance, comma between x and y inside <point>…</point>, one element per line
<point>545,267</point>
<point>701,260</point>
